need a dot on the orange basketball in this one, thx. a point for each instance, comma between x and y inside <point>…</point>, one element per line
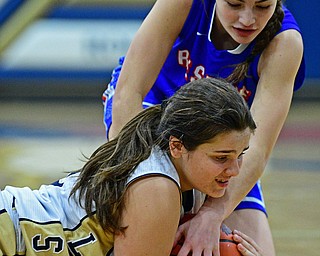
<point>228,247</point>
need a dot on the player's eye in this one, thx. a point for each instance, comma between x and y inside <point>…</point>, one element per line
<point>233,5</point>
<point>265,7</point>
<point>221,159</point>
<point>241,155</point>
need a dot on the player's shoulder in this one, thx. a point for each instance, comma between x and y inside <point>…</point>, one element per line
<point>186,3</point>
<point>290,37</point>
<point>181,3</point>
<point>157,164</point>
<point>282,56</point>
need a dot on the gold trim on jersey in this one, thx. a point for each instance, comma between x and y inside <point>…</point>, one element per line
<point>42,239</point>
<point>7,235</point>
<point>88,238</point>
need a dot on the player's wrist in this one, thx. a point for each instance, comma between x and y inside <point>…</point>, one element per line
<point>214,209</point>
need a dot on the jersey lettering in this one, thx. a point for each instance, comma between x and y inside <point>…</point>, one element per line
<point>51,242</point>
<point>72,245</point>
<point>245,93</point>
<point>184,61</point>
<point>56,243</point>
<point>199,72</point>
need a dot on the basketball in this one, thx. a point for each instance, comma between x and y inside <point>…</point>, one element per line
<point>228,247</point>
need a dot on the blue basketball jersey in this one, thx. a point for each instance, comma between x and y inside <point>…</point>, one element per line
<point>194,56</point>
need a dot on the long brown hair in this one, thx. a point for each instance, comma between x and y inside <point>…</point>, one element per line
<point>196,113</point>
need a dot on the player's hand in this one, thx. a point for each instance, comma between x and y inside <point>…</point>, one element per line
<point>201,234</point>
<point>246,245</point>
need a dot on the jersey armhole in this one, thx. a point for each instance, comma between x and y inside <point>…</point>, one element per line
<point>148,175</point>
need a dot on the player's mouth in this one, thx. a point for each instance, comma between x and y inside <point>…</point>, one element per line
<point>244,32</point>
<point>222,182</point>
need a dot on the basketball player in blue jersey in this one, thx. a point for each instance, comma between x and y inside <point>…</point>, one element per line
<point>126,200</point>
<point>256,45</point>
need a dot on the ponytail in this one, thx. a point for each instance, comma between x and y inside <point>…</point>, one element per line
<point>102,180</point>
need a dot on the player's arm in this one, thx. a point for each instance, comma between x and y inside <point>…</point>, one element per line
<point>278,67</point>
<point>152,215</point>
<point>145,57</point>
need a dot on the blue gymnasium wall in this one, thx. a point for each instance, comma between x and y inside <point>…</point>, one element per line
<point>307,14</point>
<point>69,52</point>
<point>75,79</point>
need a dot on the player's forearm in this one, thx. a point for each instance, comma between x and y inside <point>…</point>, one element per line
<point>123,110</point>
<point>139,72</point>
<point>145,58</point>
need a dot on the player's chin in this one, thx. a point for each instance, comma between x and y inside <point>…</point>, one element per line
<point>245,38</point>
<point>217,193</point>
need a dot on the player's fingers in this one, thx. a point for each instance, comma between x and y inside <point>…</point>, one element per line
<point>244,242</point>
<point>215,249</point>
<point>177,237</point>
<point>245,237</point>
<point>179,234</point>
<point>247,242</point>
<point>199,251</point>
<point>185,250</point>
<point>244,251</point>
<point>216,252</point>
<point>193,250</point>
<point>211,252</point>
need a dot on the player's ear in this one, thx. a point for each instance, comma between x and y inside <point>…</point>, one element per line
<point>176,147</point>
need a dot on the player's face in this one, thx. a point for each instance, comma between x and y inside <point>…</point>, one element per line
<point>243,20</point>
<point>210,166</point>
